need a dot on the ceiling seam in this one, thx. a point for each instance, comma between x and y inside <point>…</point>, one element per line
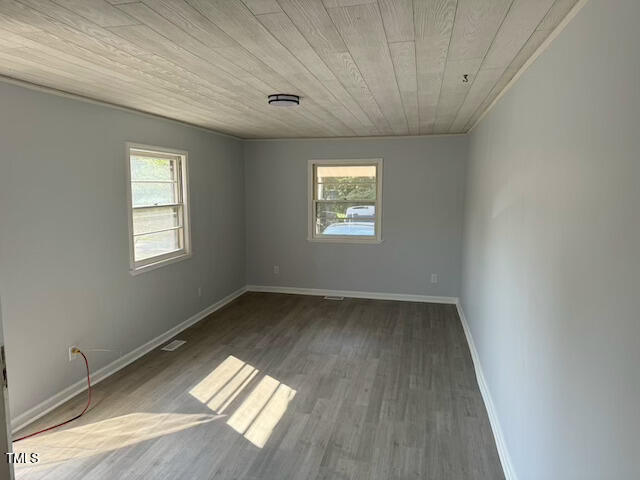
<point>325,64</point>
<point>268,32</point>
<point>205,80</point>
<point>373,97</point>
<point>455,14</point>
<point>415,56</point>
<point>395,74</point>
<point>81,98</point>
<point>82,47</point>
<point>543,46</point>
<point>482,63</point>
<point>506,68</point>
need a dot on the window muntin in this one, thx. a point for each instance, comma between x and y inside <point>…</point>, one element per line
<point>345,200</point>
<point>158,206</point>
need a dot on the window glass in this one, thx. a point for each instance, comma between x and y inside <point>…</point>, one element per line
<point>345,198</point>
<point>157,206</point>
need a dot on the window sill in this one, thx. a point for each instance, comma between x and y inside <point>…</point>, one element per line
<point>361,241</point>
<point>159,264</point>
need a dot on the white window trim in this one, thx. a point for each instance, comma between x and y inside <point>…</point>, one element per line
<point>311,235</point>
<point>172,257</point>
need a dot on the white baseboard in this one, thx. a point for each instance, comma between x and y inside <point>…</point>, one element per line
<point>59,398</point>
<point>501,445</point>
<point>352,294</point>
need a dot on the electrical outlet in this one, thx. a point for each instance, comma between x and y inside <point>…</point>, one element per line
<point>72,353</point>
<point>434,278</point>
<point>276,269</point>
<point>199,291</point>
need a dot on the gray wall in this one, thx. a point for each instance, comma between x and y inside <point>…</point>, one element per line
<point>64,258</point>
<point>6,469</point>
<point>421,224</point>
<point>551,269</point>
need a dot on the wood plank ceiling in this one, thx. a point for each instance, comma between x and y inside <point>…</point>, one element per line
<point>362,67</point>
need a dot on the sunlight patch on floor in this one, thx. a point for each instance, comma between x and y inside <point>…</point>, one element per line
<point>260,411</point>
<point>260,430</point>
<point>262,405</point>
<point>217,379</point>
<point>232,389</point>
<point>106,435</point>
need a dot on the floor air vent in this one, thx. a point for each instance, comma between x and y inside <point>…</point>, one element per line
<point>333,297</point>
<point>171,346</point>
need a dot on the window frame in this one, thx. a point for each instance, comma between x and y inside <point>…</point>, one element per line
<point>312,236</point>
<point>151,263</point>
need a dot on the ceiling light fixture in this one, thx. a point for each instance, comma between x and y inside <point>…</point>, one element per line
<point>284,100</point>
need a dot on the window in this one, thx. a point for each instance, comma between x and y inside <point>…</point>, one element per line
<point>158,207</point>
<point>345,198</point>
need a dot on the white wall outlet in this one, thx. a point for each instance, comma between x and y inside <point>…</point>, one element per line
<point>434,278</point>
<point>199,291</point>
<point>72,353</point>
<point>276,269</point>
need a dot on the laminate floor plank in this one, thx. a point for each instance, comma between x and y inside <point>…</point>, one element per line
<point>283,386</point>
